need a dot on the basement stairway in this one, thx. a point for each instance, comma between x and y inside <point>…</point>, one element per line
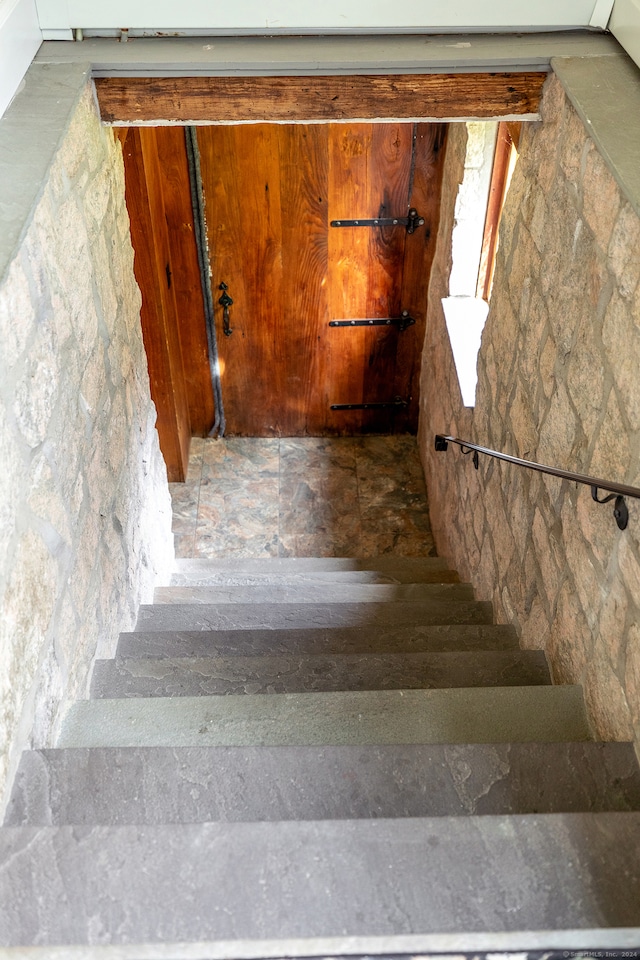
<point>331,757</point>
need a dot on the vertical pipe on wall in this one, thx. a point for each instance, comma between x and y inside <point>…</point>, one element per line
<point>197,201</point>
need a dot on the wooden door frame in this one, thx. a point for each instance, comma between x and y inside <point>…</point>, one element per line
<point>394,97</point>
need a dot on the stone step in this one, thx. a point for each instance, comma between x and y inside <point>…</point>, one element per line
<point>275,616</point>
<point>389,569</point>
<point>118,785</point>
<point>241,886</point>
<point>146,677</point>
<point>322,640</point>
<point>315,593</point>
<point>464,715</point>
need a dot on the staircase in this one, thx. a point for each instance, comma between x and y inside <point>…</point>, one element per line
<point>321,757</point>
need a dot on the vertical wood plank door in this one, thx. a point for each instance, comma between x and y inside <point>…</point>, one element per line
<point>146,185</point>
<point>271,193</point>
<point>186,282</point>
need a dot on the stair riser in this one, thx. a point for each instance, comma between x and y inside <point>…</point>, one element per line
<point>322,771</point>
<point>94,786</point>
<point>248,616</point>
<point>318,879</point>
<point>313,641</point>
<point>316,593</point>
<point>273,674</point>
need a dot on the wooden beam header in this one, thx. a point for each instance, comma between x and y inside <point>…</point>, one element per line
<point>209,100</point>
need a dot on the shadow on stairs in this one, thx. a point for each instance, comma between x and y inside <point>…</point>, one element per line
<point>298,757</point>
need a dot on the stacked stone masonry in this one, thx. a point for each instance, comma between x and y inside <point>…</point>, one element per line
<point>84,504</point>
<point>558,382</point>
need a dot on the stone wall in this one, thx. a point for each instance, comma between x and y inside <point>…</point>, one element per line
<point>559,382</point>
<point>84,505</point>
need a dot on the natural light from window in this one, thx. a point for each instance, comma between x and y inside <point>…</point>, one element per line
<point>489,162</point>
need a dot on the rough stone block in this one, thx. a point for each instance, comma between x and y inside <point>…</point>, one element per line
<point>600,197</point>
<point>557,371</point>
<point>622,259</point>
<point>67,290</point>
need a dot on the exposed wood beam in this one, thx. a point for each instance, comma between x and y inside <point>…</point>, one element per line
<point>153,100</point>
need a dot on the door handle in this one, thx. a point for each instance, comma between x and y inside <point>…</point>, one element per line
<point>225,302</point>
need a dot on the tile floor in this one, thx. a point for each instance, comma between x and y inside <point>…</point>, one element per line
<point>302,497</point>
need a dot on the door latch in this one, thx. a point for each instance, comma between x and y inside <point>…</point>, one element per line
<point>397,402</point>
<point>412,222</point>
<point>225,302</point>
<point>402,322</point>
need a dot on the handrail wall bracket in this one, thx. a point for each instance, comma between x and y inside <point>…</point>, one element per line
<point>618,490</point>
<point>620,509</point>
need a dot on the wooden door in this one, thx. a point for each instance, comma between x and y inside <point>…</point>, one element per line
<point>146,187</point>
<point>271,193</point>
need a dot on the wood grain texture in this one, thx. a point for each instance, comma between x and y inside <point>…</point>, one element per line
<point>497,192</point>
<point>515,131</point>
<point>429,148</point>
<point>120,133</point>
<point>241,179</point>
<point>127,100</point>
<point>145,202</point>
<point>186,283</point>
<point>369,168</point>
<point>303,315</point>
<point>271,192</point>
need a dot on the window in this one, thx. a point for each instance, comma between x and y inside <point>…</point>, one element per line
<point>489,163</point>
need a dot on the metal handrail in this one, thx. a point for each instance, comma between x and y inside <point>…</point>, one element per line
<point>618,491</point>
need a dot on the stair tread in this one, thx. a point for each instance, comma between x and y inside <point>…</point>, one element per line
<point>384,638</point>
<point>103,785</point>
<point>194,616</point>
<point>219,675</point>
<point>469,715</point>
<point>314,593</point>
<point>331,878</point>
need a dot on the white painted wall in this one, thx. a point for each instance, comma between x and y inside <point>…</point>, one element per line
<point>625,26</point>
<point>20,38</point>
<point>59,17</point>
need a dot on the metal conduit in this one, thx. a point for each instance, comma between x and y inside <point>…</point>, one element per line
<point>197,203</point>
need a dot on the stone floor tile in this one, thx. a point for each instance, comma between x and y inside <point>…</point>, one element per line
<point>241,458</point>
<point>303,496</point>
<point>194,468</point>
<point>184,498</point>
<point>185,544</point>
<point>215,547</point>
<point>328,543</point>
<point>308,506</point>
<point>377,538</point>
<point>309,453</point>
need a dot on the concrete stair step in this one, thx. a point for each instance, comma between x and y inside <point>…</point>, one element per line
<point>228,884</point>
<point>315,593</point>
<point>146,677</point>
<point>386,569</point>
<point>387,638</point>
<point>118,785</point>
<point>255,616</point>
<point>465,715</point>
